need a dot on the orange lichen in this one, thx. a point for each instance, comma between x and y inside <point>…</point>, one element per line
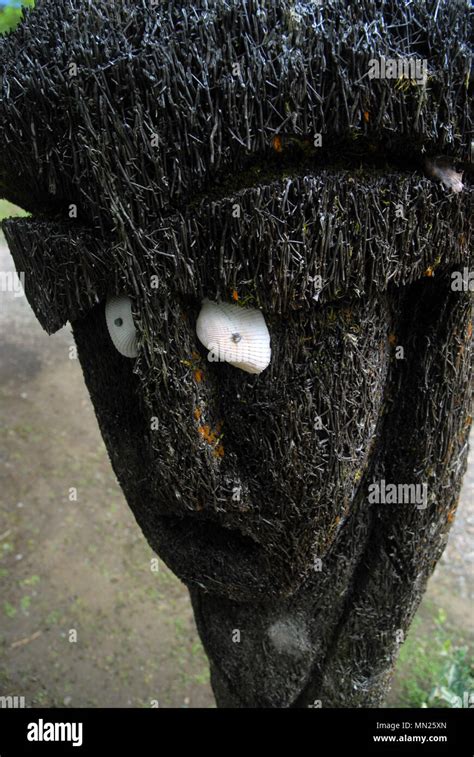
<point>198,375</point>
<point>207,434</point>
<point>429,271</point>
<point>451,514</point>
<point>197,414</point>
<point>277,144</point>
<point>235,295</point>
<point>212,437</point>
<point>191,363</point>
<point>366,116</point>
<point>392,339</point>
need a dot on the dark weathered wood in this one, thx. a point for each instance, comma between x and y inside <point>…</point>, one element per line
<point>241,151</point>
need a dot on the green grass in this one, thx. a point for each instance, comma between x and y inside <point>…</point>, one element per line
<point>434,671</point>
<point>11,16</point>
<point>8,210</point>
<point>9,609</point>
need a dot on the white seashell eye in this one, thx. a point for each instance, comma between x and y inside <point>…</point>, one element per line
<point>119,319</point>
<point>235,335</point>
<point>451,179</point>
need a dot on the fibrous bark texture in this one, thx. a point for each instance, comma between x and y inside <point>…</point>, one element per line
<point>252,152</point>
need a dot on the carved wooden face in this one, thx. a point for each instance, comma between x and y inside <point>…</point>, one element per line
<point>241,157</point>
<point>240,482</point>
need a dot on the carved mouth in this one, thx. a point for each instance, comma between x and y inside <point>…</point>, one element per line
<point>204,553</point>
<point>206,534</point>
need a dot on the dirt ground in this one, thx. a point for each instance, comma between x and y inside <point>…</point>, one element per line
<point>84,621</point>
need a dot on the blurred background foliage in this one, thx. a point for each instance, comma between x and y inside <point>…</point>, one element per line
<point>10,13</point>
<point>8,210</point>
<point>436,666</point>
